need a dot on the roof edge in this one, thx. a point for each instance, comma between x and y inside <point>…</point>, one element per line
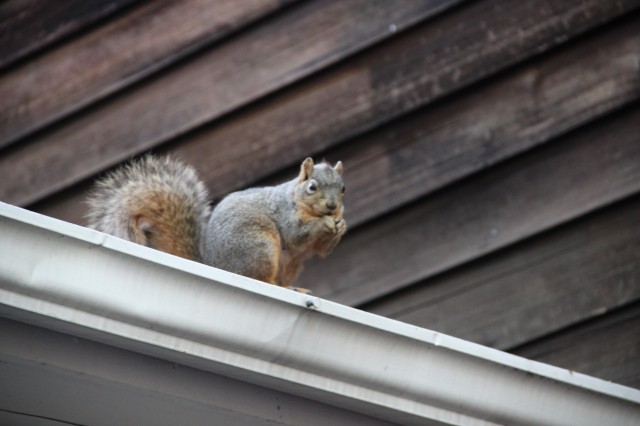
<point>64,276</point>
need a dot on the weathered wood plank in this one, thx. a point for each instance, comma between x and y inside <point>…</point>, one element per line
<point>27,26</point>
<point>526,107</point>
<point>288,47</point>
<point>554,184</point>
<point>405,73</point>
<point>114,56</point>
<point>435,146</point>
<point>367,91</point>
<point>553,281</point>
<point>607,347</point>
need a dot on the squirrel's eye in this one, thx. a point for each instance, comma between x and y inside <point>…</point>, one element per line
<point>343,188</point>
<point>312,187</point>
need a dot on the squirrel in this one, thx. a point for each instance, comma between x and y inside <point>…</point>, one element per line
<point>267,233</point>
<point>263,233</point>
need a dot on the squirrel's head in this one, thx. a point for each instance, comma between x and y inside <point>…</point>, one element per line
<point>320,188</point>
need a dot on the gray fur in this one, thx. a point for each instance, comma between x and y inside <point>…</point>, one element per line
<point>235,238</point>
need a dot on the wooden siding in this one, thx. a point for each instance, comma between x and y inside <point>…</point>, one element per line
<point>491,148</point>
<point>27,26</point>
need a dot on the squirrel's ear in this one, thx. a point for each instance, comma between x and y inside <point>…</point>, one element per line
<point>306,169</point>
<point>338,168</point>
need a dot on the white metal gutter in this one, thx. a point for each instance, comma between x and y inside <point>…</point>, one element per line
<point>59,276</point>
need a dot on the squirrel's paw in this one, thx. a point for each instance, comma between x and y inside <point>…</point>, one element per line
<point>329,224</point>
<point>334,225</point>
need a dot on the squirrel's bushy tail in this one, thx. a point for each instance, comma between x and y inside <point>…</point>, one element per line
<point>158,202</point>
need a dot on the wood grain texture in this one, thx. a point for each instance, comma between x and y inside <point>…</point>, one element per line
<point>368,91</point>
<point>114,56</point>
<point>27,26</point>
<point>270,56</point>
<point>595,166</point>
<point>409,71</point>
<point>435,146</point>
<point>607,347</point>
<point>553,281</point>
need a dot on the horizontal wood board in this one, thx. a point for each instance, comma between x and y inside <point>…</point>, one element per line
<point>550,282</point>
<point>607,347</point>
<point>409,71</point>
<point>283,49</point>
<point>559,182</point>
<point>435,146</point>
<point>114,56</point>
<point>27,26</point>
<point>530,105</point>
<point>381,94</point>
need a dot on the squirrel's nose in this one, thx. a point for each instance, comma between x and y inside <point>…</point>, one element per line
<point>331,205</point>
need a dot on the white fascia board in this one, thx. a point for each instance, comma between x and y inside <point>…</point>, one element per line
<point>69,278</point>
